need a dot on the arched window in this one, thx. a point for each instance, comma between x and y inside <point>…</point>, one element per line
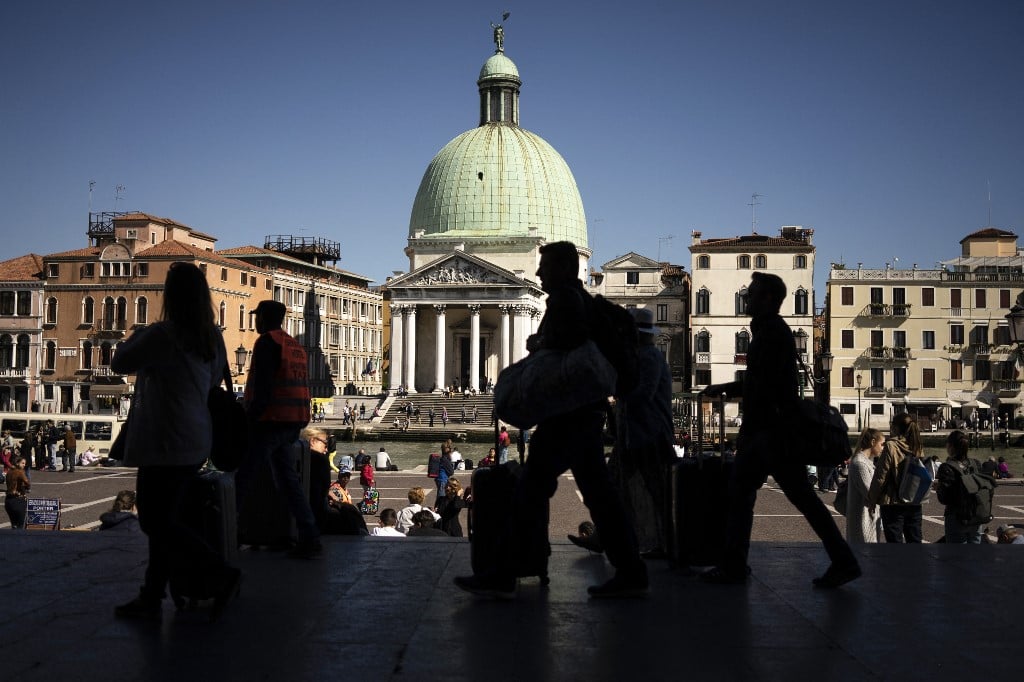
<point>703,302</point>
<point>108,313</point>
<point>51,355</point>
<point>800,301</point>
<point>142,310</point>
<point>742,342</point>
<point>744,262</point>
<point>106,352</point>
<point>122,313</point>
<point>241,317</point>
<point>741,301</point>
<point>703,262</point>
<point>800,262</point>
<point>21,354</point>
<point>88,310</point>
<point>703,342</point>
<point>222,315</point>
<point>87,354</point>
<point>760,261</point>
<point>51,310</point>
<point>6,351</point>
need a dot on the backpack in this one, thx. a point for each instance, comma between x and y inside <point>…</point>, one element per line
<point>614,331</point>
<point>370,502</point>
<point>972,494</point>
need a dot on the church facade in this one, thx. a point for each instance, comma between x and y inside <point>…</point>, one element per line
<point>486,204</point>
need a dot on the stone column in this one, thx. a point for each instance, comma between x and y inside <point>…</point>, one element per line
<point>474,347</point>
<point>506,340</point>
<point>439,382</point>
<point>410,349</point>
<point>397,361</point>
<point>520,330</point>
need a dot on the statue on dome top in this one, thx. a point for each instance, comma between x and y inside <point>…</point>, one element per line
<point>499,34</point>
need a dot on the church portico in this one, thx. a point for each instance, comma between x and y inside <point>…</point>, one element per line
<point>459,320</point>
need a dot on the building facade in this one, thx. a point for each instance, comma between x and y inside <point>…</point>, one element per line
<point>719,325</point>
<point>21,331</point>
<point>931,342</point>
<point>488,201</point>
<point>635,281</point>
<point>63,315</point>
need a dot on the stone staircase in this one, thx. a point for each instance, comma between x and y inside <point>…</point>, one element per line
<point>456,429</point>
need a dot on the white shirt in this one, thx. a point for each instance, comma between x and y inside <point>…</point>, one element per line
<point>388,532</point>
<point>383,461</point>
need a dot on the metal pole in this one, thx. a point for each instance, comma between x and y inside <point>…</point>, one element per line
<point>859,428</point>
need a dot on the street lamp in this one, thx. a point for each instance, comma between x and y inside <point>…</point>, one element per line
<point>1015,318</point>
<point>800,338</point>
<point>240,355</point>
<point>859,389</point>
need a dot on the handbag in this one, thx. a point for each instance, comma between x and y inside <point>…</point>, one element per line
<point>116,451</point>
<point>915,480</point>
<point>550,382</point>
<point>842,495</point>
<point>822,435</point>
<point>230,430</point>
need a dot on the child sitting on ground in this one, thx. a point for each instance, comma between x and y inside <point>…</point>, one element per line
<point>388,519</point>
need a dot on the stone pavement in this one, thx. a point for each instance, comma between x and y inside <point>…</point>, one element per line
<point>386,609</point>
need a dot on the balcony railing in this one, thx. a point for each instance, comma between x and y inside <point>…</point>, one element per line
<point>14,372</point>
<point>1007,385</point>
<point>108,324</point>
<point>702,358</point>
<point>900,309</point>
<point>739,359</point>
<point>900,353</point>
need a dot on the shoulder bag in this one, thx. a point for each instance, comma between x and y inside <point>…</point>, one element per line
<point>550,382</point>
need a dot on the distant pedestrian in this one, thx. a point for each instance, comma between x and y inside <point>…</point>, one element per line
<point>901,522</point>
<point>863,521</point>
<point>176,362</point>
<point>16,501</point>
<point>67,457</point>
<point>277,405</point>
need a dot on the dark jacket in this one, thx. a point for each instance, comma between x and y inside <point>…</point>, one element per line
<point>449,507</point>
<point>120,521</point>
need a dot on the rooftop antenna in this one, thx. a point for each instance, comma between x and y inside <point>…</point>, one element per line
<point>92,183</point>
<point>118,191</point>
<point>990,203</point>
<point>754,203</point>
<point>661,240</point>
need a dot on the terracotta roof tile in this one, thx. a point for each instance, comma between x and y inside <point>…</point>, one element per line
<point>25,268</point>
<point>989,233</point>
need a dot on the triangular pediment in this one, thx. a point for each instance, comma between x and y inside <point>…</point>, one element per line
<point>459,269</point>
<point>631,260</point>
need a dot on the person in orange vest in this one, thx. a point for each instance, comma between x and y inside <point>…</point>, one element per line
<point>277,406</point>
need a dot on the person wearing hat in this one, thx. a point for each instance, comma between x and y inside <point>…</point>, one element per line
<point>338,493</point>
<point>277,407</point>
<point>643,440</point>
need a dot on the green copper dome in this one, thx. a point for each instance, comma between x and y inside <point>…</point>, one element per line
<point>499,66</point>
<point>498,180</point>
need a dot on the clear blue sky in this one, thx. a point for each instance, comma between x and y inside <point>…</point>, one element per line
<point>879,124</point>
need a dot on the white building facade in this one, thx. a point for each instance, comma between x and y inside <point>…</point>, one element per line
<point>931,342</point>
<point>721,269</point>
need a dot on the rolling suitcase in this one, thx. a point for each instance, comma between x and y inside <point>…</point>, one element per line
<point>265,519</point>
<point>209,510</point>
<point>494,537</point>
<point>697,500</point>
